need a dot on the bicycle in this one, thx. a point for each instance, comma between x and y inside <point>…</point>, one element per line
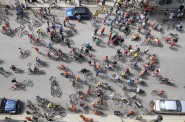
<point>28,83</point>
<point>24,54</point>
<point>156,92</point>
<point>3,72</point>
<point>22,33</point>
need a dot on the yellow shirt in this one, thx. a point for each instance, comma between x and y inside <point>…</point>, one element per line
<point>135,55</point>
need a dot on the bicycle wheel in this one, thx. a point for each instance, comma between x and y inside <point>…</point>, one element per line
<point>27,52</point>
<point>63,114</point>
<point>30,83</point>
<point>143,43</point>
<point>154,92</point>
<point>21,56</point>
<point>116,102</point>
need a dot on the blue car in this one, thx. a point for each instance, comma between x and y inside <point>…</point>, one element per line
<point>83,11</point>
<point>10,106</point>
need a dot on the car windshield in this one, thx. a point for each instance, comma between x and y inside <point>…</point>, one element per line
<point>80,10</point>
<point>162,105</point>
<point>179,107</point>
<point>3,102</point>
<point>73,11</point>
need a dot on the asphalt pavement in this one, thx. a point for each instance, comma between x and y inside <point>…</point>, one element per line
<point>171,65</point>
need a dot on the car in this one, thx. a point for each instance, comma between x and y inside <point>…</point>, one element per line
<point>169,106</point>
<point>83,11</point>
<point>10,106</point>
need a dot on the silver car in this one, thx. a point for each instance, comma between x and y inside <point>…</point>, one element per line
<point>169,106</point>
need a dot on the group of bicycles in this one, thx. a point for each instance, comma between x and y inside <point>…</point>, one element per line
<point>100,92</point>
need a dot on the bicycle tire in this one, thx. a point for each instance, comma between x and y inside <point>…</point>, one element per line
<point>63,114</point>
<point>30,83</point>
<point>21,56</point>
<point>154,92</point>
<point>27,52</point>
<point>116,102</point>
<point>58,93</point>
<point>143,43</point>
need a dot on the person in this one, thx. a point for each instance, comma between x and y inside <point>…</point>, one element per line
<point>142,72</point>
<point>118,52</point>
<point>66,73</point>
<point>152,57</point>
<point>157,41</point>
<point>102,30</point>
<point>131,113</point>
<point>138,89</point>
<point>79,18</point>
<point>168,38</point>
<point>49,46</point>
<point>149,39</point>
<point>172,44</point>
<point>13,67</point>
<point>136,55</point>
<point>15,83</point>
<point>127,71</point>
<point>39,31</point>
<point>22,52</point>
<point>137,49</point>
<point>73,108</point>
<point>146,50</point>
<point>139,80</point>
<point>156,72</point>
<point>36,49</point>
<point>84,71</point>
<point>106,59</point>
<point>181,7</point>
<point>136,36</point>
<point>179,26</point>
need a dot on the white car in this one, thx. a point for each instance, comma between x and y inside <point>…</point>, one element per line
<point>169,106</point>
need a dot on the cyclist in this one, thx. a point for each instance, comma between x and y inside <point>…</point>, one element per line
<point>172,44</point>
<point>13,67</point>
<point>22,52</point>
<point>131,113</point>
<point>50,105</point>
<point>142,72</point>
<point>179,27</point>
<point>146,50</point>
<point>156,72</point>
<point>48,55</point>
<point>168,38</point>
<point>73,108</point>
<point>129,47</point>
<point>66,73</point>
<point>39,31</point>
<point>106,59</point>
<point>149,39</point>
<point>137,49</point>
<point>152,57</point>
<point>119,53</point>
<point>49,46</point>
<point>136,36</point>
<point>135,55</point>
<point>15,83</point>
<point>158,41</point>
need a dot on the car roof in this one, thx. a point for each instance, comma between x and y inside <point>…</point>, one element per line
<point>170,105</point>
<point>81,10</point>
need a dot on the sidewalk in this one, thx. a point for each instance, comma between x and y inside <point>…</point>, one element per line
<point>109,118</point>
